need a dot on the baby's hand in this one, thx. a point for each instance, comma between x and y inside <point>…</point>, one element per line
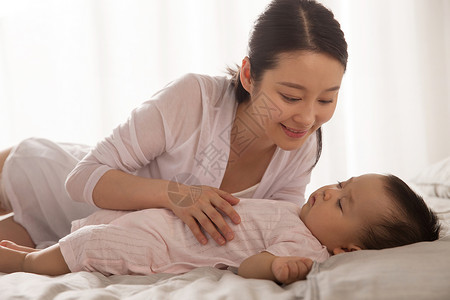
<point>288,269</point>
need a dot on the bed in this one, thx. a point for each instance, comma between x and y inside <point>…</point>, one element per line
<point>419,271</point>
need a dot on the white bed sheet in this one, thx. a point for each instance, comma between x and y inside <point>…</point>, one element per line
<point>202,283</point>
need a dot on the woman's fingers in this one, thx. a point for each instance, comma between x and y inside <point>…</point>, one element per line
<point>227,208</point>
<point>201,210</point>
<point>210,228</point>
<point>200,218</point>
<point>193,226</point>
<point>223,202</point>
<point>219,223</point>
<point>227,196</point>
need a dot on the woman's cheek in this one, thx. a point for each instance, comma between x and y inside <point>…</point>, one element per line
<point>326,116</point>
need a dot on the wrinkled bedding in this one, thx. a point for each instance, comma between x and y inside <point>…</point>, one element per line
<point>201,283</point>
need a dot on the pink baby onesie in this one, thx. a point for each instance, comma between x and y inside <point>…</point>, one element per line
<point>155,240</point>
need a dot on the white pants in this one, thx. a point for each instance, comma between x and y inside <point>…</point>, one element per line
<point>33,180</point>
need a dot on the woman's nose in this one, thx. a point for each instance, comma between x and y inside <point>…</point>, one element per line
<point>305,114</point>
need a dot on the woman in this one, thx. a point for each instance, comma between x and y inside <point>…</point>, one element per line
<point>198,141</point>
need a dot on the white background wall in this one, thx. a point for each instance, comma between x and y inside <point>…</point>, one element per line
<point>71,70</point>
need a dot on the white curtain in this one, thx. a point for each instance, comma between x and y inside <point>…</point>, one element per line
<point>71,70</point>
<point>394,109</point>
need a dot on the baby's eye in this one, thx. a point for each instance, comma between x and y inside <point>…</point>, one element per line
<point>339,184</point>
<point>339,203</point>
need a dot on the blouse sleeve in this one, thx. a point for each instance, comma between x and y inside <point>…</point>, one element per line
<point>152,129</point>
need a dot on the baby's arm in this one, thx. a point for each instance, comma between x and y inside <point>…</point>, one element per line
<point>265,265</point>
<point>48,261</point>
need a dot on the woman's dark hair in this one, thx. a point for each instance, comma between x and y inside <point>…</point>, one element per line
<point>410,221</point>
<point>286,26</point>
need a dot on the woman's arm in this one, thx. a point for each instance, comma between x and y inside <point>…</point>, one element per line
<point>122,191</point>
<point>265,265</point>
<point>195,206</point>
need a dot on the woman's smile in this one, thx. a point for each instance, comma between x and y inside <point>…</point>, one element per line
<point>300,95</point>
<point>292,133</point>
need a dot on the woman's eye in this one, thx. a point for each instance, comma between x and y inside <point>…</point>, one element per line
<point>290,99</point>
<point>326,101</point>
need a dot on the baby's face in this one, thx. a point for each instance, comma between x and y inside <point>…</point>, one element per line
<point>335,214</point>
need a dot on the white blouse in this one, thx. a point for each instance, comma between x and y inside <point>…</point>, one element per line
<point>247,193</point>
<point>184,133</point>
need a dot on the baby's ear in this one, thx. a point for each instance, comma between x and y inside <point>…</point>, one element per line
<point>350,248</point>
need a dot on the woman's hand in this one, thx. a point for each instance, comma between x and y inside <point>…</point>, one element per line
<point>288,269</point>
<point>199,206</point>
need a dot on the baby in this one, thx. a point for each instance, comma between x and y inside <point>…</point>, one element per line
<point>276,240</point>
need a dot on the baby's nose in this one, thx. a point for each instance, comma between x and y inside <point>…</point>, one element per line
<point>327,195</point>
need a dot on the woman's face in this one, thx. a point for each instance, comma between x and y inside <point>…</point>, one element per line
<point>293,100</point>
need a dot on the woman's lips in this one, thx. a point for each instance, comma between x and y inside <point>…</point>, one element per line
<point>293,133</point>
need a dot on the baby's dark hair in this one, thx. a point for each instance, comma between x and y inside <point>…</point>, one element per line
<point>410,221</point>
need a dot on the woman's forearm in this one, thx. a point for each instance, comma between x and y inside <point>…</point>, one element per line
<point>197,206</point>
<point>123,191</point>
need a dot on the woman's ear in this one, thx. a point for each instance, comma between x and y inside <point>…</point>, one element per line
<point>244,75</point>
<point>349,248</point>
